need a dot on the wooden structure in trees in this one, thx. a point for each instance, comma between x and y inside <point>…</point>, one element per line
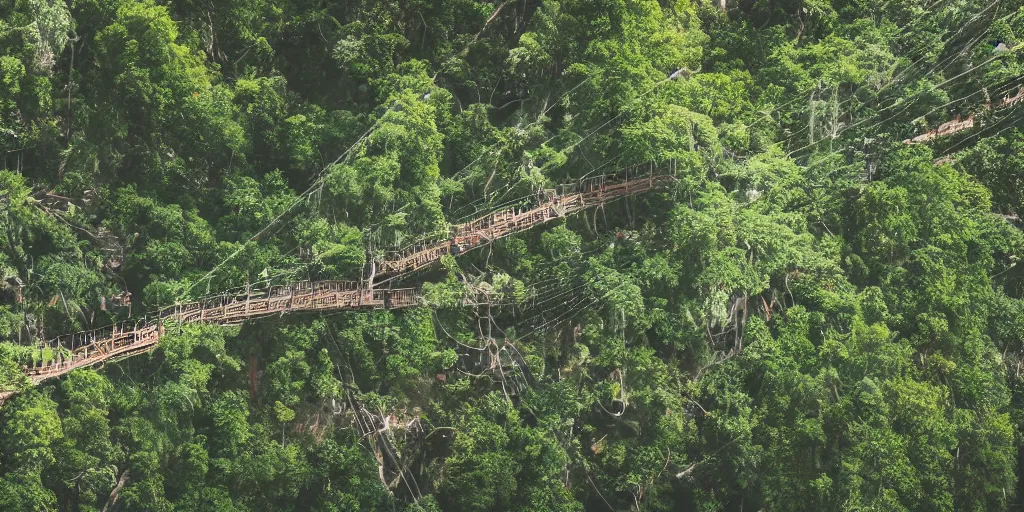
<point>944,129</point>
<point>93,347</point>
<point>958,125</point>
<point>549,205</point>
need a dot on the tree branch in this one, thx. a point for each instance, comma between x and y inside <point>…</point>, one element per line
<point>112,501</point>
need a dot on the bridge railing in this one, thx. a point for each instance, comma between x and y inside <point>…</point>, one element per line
<point>91,347</point>
<point>957,125</point>
<point>566,199</point>
<point>94,346</point>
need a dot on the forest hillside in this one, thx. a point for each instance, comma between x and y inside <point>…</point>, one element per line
<point>511,255</point>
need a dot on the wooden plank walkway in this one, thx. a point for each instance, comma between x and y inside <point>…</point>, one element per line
<point>93,347</point>
<point>551,205</point>
<point>958,125</point>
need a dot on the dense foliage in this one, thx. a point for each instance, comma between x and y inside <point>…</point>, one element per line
<point>816,317</point>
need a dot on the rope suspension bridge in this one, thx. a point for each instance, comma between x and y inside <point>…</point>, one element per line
<point>90,348</point>
<point>93,347</point>
<point>551,204</point>
<point>957,125</point>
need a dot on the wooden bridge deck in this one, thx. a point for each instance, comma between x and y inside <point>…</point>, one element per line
<point>553,204</point>
<point>93,347</point>
<point>958,125</point>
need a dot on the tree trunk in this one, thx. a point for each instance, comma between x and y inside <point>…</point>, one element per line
<point>112,501</point>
